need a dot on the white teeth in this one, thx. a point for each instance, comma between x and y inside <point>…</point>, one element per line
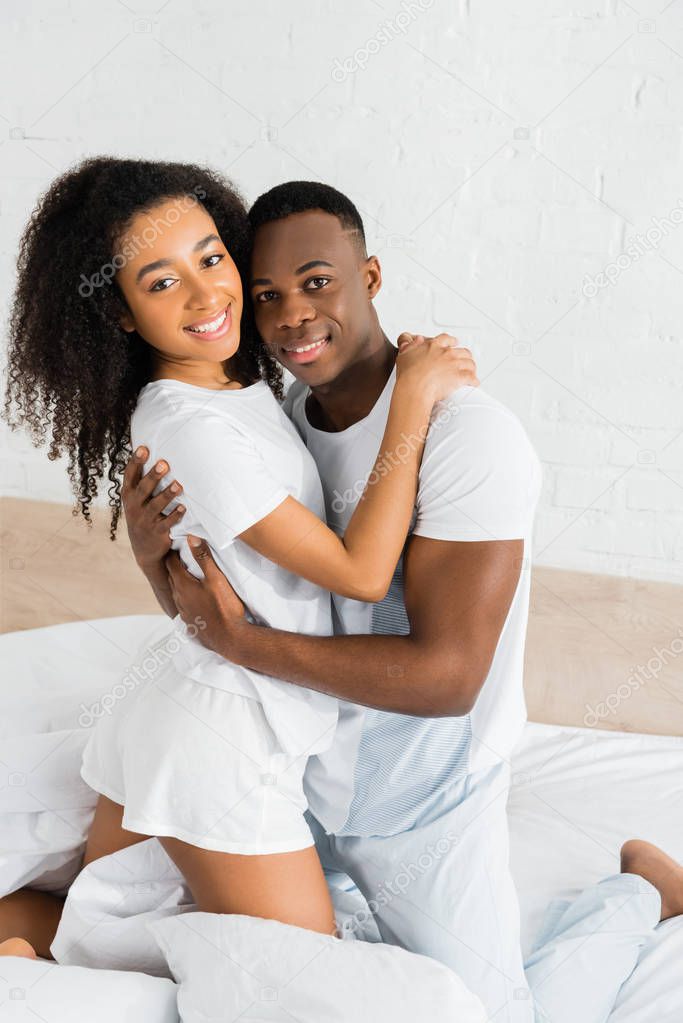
<point>307,348</point>
<point>208,327</point>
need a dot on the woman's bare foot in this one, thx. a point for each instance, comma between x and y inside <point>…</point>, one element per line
<point>652,863</point>
<point>17,947</point>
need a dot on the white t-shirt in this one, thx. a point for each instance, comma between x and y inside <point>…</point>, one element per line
<point>239,457</point>
<point>479,480</point>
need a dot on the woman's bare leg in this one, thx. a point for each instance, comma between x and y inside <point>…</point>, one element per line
<point>289,887</point>
<point>32,917</point>
<point>107,834</point>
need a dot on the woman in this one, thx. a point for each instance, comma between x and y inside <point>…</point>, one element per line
<point>129,303</point>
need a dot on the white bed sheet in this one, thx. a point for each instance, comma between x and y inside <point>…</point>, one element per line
<point>577,794</point>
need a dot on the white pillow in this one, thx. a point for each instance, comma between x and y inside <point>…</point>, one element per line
<point>242,967</point>
<point>53,677</point>
<point>103,923</point>
<point>41,990</point>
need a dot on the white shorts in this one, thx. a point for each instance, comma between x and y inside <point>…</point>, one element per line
<point>200,764</point>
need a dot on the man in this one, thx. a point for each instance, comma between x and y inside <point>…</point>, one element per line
<point>410,802</point>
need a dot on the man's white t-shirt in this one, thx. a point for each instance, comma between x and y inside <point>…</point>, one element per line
<point>238,457</point>
<point>479,480</point>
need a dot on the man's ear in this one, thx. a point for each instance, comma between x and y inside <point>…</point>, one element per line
<point>373,276</point>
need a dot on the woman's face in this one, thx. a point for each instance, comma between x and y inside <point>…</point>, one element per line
<point>182,289</point>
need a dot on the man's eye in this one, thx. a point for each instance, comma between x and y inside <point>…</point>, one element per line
<point>319,282</point>
<point>217,256</point>
<point>163,285</point>
<point>265,296</point>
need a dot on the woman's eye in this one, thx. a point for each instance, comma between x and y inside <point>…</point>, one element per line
<point>319,282</point>
<point>163,285</point>
<point>265,296</point>
<point>216,257</point>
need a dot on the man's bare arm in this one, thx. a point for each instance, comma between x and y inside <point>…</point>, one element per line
<point>457,598</point>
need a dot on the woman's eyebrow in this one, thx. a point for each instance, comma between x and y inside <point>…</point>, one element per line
<point>148,267</point>
<point>159,263</point>
<point>299,270</point>
<point>205,241</point>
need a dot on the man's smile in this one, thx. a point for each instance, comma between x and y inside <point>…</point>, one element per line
<point>306,350</point>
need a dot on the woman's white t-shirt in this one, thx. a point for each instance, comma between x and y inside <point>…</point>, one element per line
<point>238,457</point>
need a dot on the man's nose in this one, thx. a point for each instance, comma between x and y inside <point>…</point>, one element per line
<point>295,310</point>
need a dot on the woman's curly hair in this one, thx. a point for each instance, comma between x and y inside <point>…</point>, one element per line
<point>72,369</point>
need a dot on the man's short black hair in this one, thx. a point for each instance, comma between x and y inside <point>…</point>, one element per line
<point>299,197</point>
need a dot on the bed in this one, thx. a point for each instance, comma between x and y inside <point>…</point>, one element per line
<point>577,794</point>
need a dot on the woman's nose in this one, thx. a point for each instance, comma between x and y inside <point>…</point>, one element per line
<point>201,295</point>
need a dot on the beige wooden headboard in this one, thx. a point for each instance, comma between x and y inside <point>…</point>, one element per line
<point>605,652</point>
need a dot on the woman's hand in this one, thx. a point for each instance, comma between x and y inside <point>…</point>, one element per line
<point>148,528</point>
<point>436,366</point>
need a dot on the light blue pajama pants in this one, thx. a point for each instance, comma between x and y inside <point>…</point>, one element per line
<point>444,889</point>
<point>588,947</point>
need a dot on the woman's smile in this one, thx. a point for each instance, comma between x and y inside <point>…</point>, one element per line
<point>211,329</point>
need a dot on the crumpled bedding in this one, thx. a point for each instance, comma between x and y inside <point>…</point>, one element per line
<point>576,795</point>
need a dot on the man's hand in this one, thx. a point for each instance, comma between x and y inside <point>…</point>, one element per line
<point>457,596</point>
<point>148,528</point>
<point>210,603</point>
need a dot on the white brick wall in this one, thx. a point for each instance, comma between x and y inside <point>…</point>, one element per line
<point>499,152</point>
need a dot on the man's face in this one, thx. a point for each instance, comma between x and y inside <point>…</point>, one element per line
<point>312,290</point>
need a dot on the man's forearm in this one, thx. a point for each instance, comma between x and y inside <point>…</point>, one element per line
<point>392,673</point>
<point>156,575</point>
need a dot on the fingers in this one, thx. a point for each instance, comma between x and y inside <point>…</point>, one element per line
<point>133,470</point>
<point>143,486</point>
<point>150,480</point>
<point>405,339</point>
<point>439,340</point>
<point>446,341</point>
<point>202,555</point>
<point>173,518</point>
<point>464,363</point>
<point>463,358</point>
<point>464,354</point>
<point>174,567</point>
<point>170,493</point>
<point>173,564</point>
<point>459,357</point>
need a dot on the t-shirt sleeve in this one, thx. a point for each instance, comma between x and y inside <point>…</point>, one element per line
<point>480,476</point>
<point>227,487</point>
<point>293,404</point>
